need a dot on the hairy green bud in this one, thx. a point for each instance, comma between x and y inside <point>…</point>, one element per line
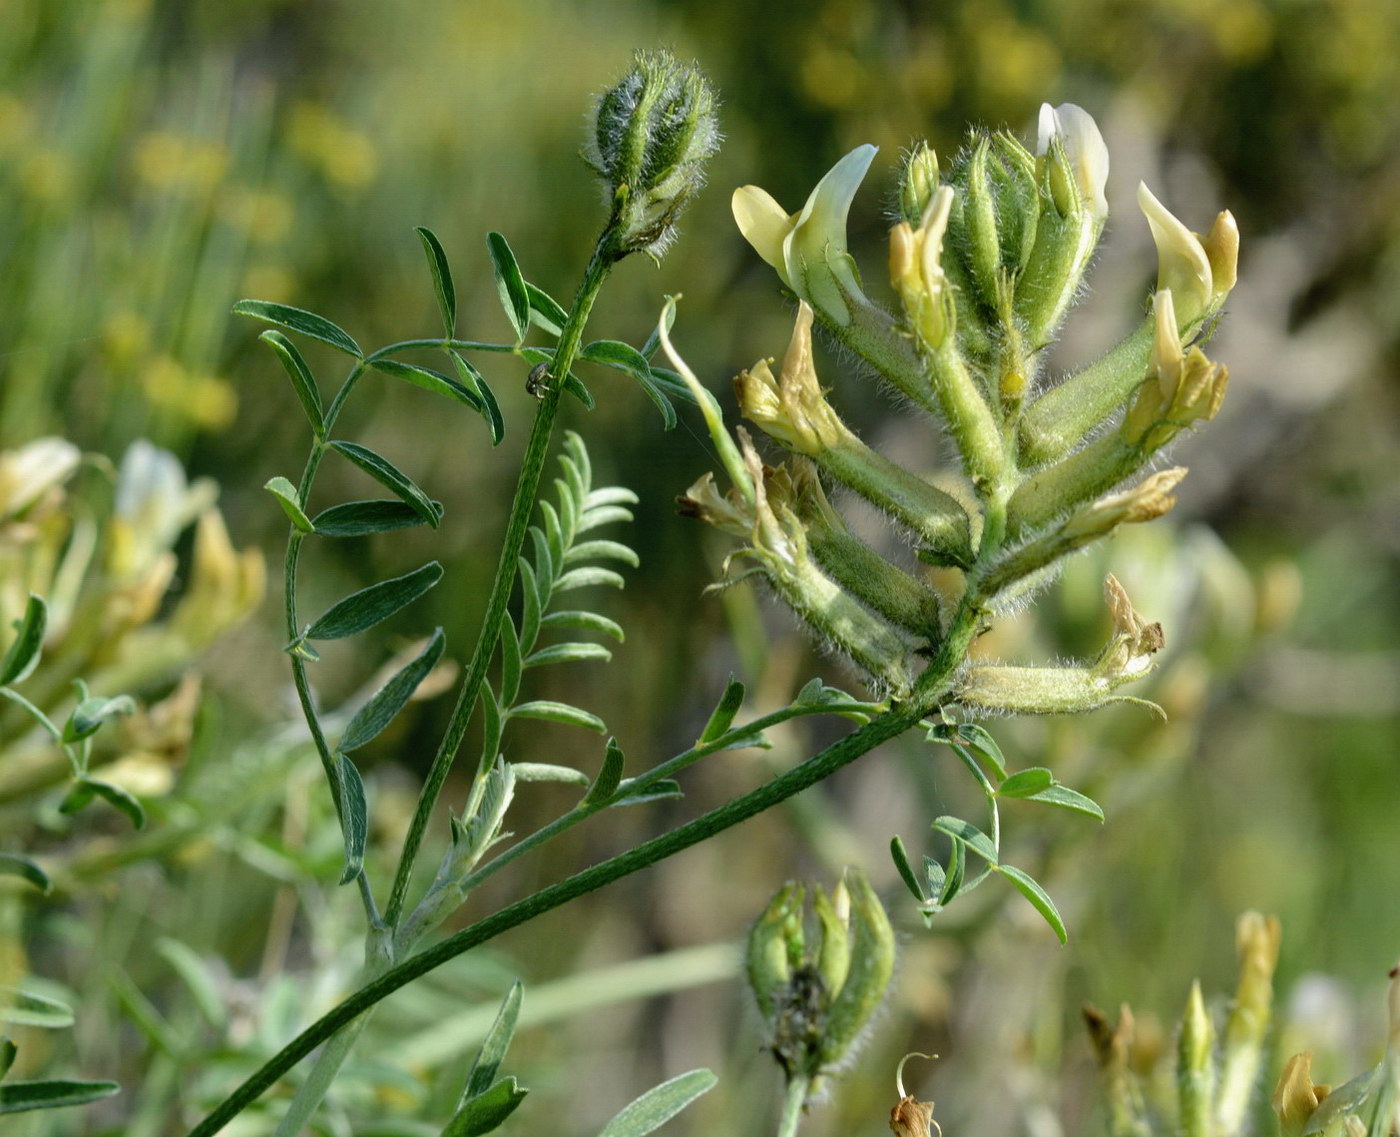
<point>818,992</point>
<point>653,133</point>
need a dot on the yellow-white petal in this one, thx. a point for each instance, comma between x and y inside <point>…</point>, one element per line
<point>764,223</point>
<point>1084,146</point>
<point>1182,264</point>
<point>814,252</point>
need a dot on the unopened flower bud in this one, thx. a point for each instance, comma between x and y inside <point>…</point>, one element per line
<point>817,993</point>
<point>769,955</point>
<point>653,133</point>
<point>1077,159</point>
<point>1195,1073</point>
<point>1257,942</point>
<point>918,182</point>
<point>916,271</point>
<point>1295,1097</point>
<point>869,973</point>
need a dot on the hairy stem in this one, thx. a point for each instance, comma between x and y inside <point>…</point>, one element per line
<point>932,688</point>
<point>523,504</point>
<point>793,1101</point>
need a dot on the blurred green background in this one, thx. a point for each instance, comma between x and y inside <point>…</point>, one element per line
<point>160,160</point>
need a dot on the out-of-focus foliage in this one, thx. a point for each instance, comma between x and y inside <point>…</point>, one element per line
<point>158,160</point>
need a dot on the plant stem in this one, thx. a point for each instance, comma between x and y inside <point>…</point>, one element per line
<point>522,506</point>
<point>793,1102</point>
<point>932,687</point>
<point>289,607</point>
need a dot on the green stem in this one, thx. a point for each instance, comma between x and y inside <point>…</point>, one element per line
<point>441,345</point>
<point>932,687</point>
<point>416,927</point>
<point>522,506</point>
<point>793,1102</point>
<point>289,603</point>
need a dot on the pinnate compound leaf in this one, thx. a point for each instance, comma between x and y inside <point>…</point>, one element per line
<point>303,382</point>
<point>547,711</point>
<point>12,864</point>
<point>430,380</point>
<point>510,285</point>
<point>358,518</point>
<point>299,320</point>
<point>1066,798</point>
<point>290,501</point>
<point>1027,886</point>
<point>722,717</point>
<point>369,606</point>
<point>20,1097</point>
<point>487,1111</point>
<point>22,656</point>
<point>657,1106</point>
<point>442,277</point>
<point>391,698</point>
<point>965,831</point>
<point>23,1008</point>
<point>493,1049</point>
<point>1026,783</point>
<point>354,819</point>
<point>609,777</point>
<point>390,476</point>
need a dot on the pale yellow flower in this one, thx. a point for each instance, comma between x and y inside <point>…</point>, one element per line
<point>808,248</point>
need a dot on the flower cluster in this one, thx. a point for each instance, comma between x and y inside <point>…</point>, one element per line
<point>985,262</point>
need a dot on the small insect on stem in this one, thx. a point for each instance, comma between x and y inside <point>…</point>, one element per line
<point>537,382</point>
<point>910,1117</point>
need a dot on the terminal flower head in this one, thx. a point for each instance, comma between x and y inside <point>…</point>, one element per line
<point>808,248</point>
<point>1077,135</point>
<point>1199,270</point>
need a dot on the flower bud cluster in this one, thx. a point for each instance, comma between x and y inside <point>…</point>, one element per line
<point>986,257</point>
<point>818,981</point>
<point>652,134</point>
